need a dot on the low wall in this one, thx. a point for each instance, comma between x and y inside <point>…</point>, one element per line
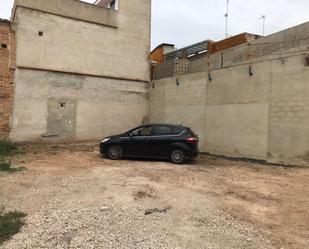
<point>263,116</point>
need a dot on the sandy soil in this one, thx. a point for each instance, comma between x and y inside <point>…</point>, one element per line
<point>211,201</point>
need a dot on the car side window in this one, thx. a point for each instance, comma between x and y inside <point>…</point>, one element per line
<point>177,130</point>
<point>145,131</point>
<point>162,130</point>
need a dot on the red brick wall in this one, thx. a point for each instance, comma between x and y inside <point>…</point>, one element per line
<point>7,66</point>
<point>233,41</point>
<point>157,55</point>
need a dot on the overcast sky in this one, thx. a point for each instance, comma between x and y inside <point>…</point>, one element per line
<point>183,22</point>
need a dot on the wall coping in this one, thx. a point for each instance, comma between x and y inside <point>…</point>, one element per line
<point>72,9</point>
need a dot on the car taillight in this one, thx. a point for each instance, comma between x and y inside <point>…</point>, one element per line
<point>192,140</point>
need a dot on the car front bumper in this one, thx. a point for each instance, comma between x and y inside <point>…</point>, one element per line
<point>103,148</point>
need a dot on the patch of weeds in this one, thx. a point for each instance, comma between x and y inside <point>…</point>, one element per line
<point>10,224</point>
<point>7,148</point>
<point>6,166</point>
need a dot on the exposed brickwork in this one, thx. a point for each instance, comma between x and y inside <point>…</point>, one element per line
<point>7,66</point>
<point>234,41</point>
<point>157,55</point>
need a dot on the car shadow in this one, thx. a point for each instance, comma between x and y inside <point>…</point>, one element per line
<point>138,159</point>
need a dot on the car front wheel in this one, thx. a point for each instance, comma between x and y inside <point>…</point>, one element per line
<point>178,156</point>
<point>114,152</point>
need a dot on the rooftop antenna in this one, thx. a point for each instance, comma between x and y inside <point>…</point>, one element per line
<point>227,19</point>
<point>264,21</point>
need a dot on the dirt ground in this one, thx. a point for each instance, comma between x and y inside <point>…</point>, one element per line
<point>209,203</point>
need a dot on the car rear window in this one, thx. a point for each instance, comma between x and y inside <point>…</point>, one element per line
<point>190,132</point>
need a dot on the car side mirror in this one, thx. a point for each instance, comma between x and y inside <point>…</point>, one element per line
<point>131,135</point>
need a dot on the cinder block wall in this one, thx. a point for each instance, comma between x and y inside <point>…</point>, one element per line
<point>222,54</point>
<point>7,55</point>
<point>261,49</point>
<point>183,103</point>
<point>263,116</point>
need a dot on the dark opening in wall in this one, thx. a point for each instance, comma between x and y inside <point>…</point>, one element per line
<point>113,5</point>
<point>3,46</point>
<point>40,33</point>
<point>307,61</point>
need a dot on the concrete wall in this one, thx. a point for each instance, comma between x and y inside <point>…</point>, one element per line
<point>273,46</point>
<point>81,47</point>
<point>82,70</point>
<point>263,116</point>
<point>75,107</point>
<point>72,9</point>
<point>183,103</point>
<point>261,49</point>
<point>289,110</point>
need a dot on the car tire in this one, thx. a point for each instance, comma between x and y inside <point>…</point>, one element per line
<point>114,152</point>
<point>178,156</point>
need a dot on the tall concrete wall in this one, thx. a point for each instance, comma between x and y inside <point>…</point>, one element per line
<point>81,47</point>
<point>263,116</point>
<point>72,9</point>
<point>82,70</point>
<point>74,107</point>
<point>183,103</point>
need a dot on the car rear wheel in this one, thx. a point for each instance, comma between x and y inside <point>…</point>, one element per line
<point>178,156</point>
<point>114,152</point>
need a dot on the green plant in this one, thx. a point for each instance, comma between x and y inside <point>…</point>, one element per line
<point>10,224</point>
<point>7,148</point>
<point>6,166</point>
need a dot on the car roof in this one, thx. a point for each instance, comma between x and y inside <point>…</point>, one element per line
<point>163,124</point>
<point>158,124</point>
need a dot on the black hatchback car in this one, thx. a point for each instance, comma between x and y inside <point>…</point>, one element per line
<point>162,141</point>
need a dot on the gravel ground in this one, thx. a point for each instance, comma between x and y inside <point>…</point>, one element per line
<point>128,227</point>
<point>76,199</point>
